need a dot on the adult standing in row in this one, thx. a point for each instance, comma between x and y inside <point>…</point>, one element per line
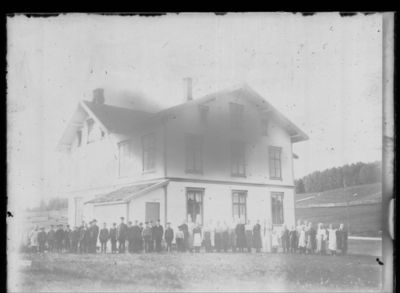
<point>104,236</point>
<point>121,235</point>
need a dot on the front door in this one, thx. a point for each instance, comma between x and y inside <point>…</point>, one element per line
<point>152,211</point>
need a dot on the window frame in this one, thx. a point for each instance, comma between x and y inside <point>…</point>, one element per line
<point>273,162</point>
<point>129,144</point>
<point>148,149</point>
<point>195,190</point>
<point>239,204</point>
<point>282,214</point>
<point>194,143</point>
<point>236,163</point>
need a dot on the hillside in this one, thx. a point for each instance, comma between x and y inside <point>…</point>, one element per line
<point>360,194</point>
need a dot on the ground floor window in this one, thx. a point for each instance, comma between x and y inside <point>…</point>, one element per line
<point>277,208</point>
<point>239,204</point>
<point>194,204</point>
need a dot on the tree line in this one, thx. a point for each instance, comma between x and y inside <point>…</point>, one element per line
<point>52,204</point>
<point>338,177</point>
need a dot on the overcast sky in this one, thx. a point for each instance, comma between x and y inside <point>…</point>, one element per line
<point>323,72</point>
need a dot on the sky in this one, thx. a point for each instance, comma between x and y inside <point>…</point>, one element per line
<point>323,72</point>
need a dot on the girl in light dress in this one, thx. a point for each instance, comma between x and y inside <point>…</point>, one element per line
<point>197,237</point>
<point>332,241</point>
<point>302,240</point>
<point>34,238</point>
<point>321,239</point>
<point>275,240</point>
<point>267,236</point>
<point>191,226</point>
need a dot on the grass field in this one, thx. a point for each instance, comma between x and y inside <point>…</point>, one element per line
<point>365,220</point>
<point>198,272</point>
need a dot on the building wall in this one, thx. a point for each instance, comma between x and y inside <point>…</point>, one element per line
<point>217,202</point>
<point>137,207</point>
<point>109,214</point>
<point>217,136</point>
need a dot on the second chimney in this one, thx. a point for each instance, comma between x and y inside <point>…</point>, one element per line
<point>187,83</point>
<point>98,96</point>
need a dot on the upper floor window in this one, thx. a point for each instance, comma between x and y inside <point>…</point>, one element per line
<point>194,204</point>
<point>236,115</point>
<point>194,153</point>
<point>125,157</point>
<point>204,110</point>
<point>239,204</point>
<point>90,127</point>
<point>238,159</point>
<point>275,167</point>
<point>79,138</point>
<point>277,208</point>
<point>149,151</point>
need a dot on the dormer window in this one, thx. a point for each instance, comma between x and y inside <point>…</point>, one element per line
<point>90,126</point>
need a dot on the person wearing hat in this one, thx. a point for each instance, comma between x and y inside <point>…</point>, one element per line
<point>59,238</point>
<point>104,236</point>
<point>86,239</point>
<point>137,237</point>
<point>130,237</point>
<point>147,237</point>
<point>141,237</point>
<point>74,239</point>
<point>42,237</point>
<point>113,238</point>
<point>94,234</point>
<point>122,234</point>
<point>158,233</point>
<point>67,238</point>
<point>51,238</point>
<point>169,236</point>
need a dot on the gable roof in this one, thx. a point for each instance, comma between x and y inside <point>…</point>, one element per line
<point>127,193</point>
<point>123,120</point>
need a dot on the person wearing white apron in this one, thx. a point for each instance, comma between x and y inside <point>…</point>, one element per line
<point>267,236</point>
<point>332,246</point>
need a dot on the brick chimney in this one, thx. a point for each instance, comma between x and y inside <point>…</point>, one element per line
<point>187,87</point>
<point>98,96</point>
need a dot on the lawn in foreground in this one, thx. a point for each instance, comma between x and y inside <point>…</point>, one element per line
<point>199,272</point>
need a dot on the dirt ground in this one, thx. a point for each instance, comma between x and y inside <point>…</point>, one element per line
<point>197,272</point>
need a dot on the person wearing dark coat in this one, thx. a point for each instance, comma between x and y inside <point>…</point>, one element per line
<point>293,240</point>
<point>103,237</point>
<point>169,236</point>
<point>67,239</point>
<point>285,239</point>
<point>86,239</point>
<point>185,229</point>
<point>74,240</point>
<point>42,237</point>
<point>341,239</point>
<point>113,238</point>
<point>136,237</point>
<point>240,237</point>
<point>122,234</point>
<point>93,236</point>
<point>130,237</point>
<point>140,247</point>
<point>257,236</point>
<point>51,238</point>
<point>158,233</point>
<point>59,238</point>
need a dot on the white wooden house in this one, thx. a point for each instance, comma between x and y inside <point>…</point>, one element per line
<point>219,157</point>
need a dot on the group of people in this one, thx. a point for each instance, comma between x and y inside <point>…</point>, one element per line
<point>189,236</point>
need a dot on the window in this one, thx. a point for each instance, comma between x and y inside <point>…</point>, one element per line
<point>194,204</point>
<point>194,153</point>
<point>236,115</point>
<point>149,151</point>
<point>79,138</point>
<point>275,170</point>
<point>90,126</point>
<point>204,110</point>
<point>238,159</point>
<point>264,127</point>
<point>277,208</point>
<point>125,158</point>
<point>239,204</point>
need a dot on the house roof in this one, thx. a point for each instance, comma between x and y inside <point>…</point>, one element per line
<point>127,193</point>
<point>123,120</point>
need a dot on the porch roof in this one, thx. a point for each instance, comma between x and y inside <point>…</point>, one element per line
<point>127,193</point>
